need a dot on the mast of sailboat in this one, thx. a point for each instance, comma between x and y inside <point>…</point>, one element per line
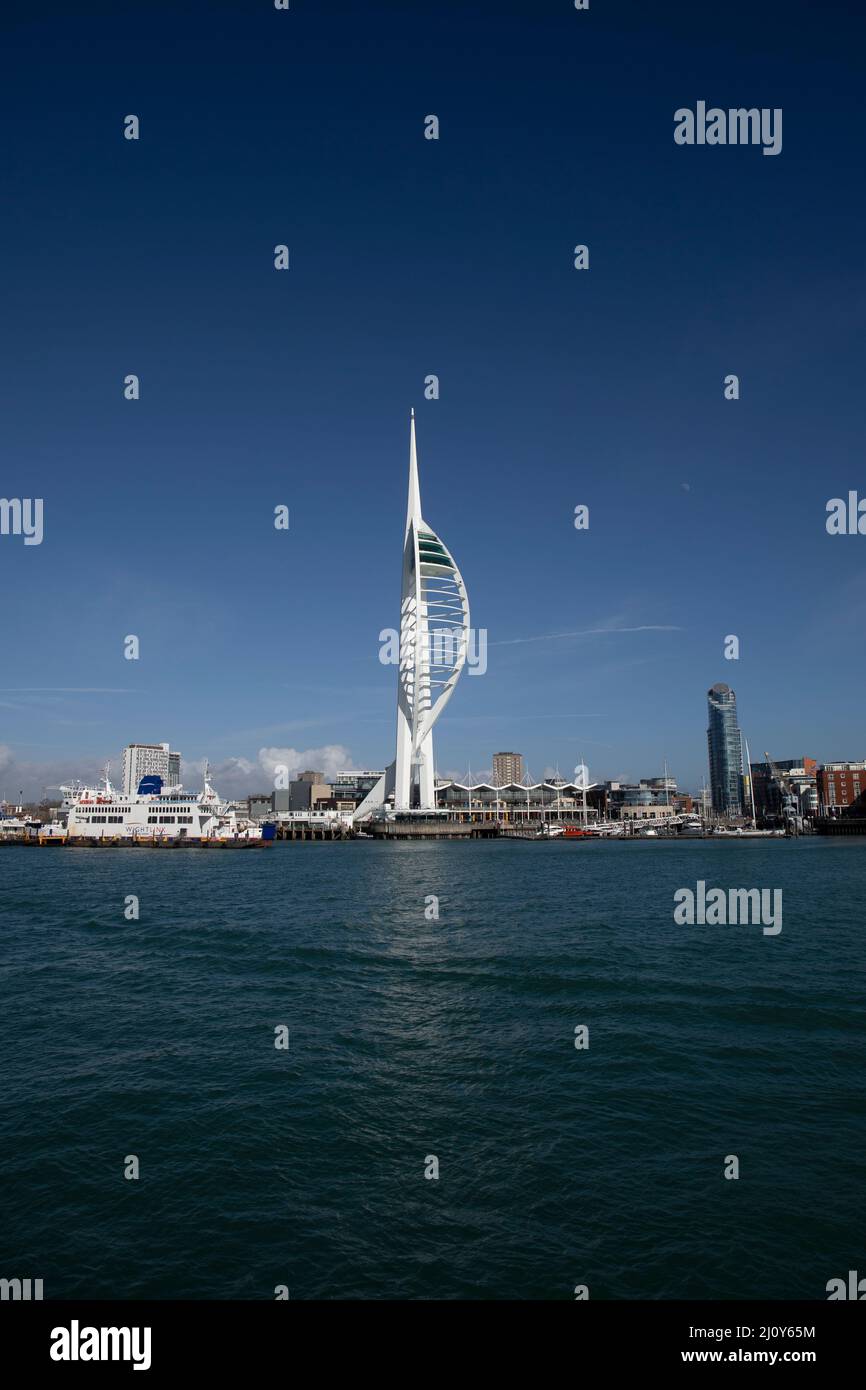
<point>751,785</point>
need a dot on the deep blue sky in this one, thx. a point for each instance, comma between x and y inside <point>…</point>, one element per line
<point>411,257</point>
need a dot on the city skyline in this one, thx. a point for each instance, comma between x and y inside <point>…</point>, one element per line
<point>252,782</point>
<point>244,777</point>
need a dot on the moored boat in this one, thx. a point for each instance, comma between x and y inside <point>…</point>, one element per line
<point>155,814</point>
<point>692,828</point>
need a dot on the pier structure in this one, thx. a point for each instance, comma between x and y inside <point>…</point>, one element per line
<point>840,825</point>
<point>312,826</point>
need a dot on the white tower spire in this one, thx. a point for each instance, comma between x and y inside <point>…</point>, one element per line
<point>434,638</point>
<point>413,509</point>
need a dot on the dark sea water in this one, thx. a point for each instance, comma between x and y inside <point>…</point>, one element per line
<point>412,1037</point>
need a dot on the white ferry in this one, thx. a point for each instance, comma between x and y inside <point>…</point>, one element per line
<point>17,827</point>
<point>155,814</point>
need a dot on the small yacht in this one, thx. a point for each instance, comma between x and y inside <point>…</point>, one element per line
<point>740,832</point>
<point>692,828</point>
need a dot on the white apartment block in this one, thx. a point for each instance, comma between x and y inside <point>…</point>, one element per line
<point>148,760</point>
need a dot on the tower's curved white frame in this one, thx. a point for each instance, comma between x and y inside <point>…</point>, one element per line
<point>434,640</point>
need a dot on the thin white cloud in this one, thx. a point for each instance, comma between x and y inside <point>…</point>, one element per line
<point>64,690</point>
<point>586,632</point>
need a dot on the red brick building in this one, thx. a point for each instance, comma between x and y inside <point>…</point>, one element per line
<point>840,785</point>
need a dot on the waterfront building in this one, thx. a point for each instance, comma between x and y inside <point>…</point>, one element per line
<point>800,778</point>
<point>654,810</point>
<point>300,795</point>
<point>839,785</point>
<point>522,803</point>
<point>725,747</point>
<point>149,760</point>
<point>649,799</point>
<point>662,784</point>
<point>507,767</point>
<point>434,639</point>
<point>354,785</point>
<point>804,785</point>
<point>304,793</point>
<point>516,802</point>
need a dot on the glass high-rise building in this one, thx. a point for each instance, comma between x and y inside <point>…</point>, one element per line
<point>725,745</point>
